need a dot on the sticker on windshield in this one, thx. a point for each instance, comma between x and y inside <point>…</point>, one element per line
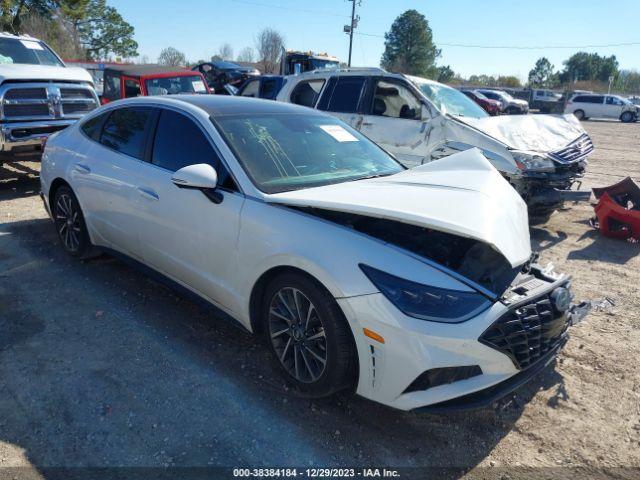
<point>31,44</point>
<point>339,133</point>
<point>198,86</point>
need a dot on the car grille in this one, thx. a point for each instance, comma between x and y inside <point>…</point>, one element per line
<point>527,332</point>
<point>575,151</point>
<point>45,101</point>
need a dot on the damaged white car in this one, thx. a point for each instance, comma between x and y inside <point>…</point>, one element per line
<point>414,288</point>
<point>419,120</point>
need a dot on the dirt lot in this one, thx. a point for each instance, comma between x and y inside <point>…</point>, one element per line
<point>101,366</point>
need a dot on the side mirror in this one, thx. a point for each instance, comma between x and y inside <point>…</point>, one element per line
<point>201,176</point>
<point>197,176</point>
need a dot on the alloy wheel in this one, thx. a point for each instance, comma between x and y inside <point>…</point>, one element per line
<point>67,218</point>
<point>297,334</point>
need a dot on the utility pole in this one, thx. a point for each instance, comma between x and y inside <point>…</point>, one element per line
<point>349,28</point>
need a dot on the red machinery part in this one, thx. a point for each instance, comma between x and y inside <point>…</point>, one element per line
<point>618,209</point>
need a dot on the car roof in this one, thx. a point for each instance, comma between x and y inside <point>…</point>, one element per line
<point>19,37</point>
<point>222,105</point>
<point>145,70</point>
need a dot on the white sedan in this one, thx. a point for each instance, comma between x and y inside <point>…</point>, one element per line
<point>414,288</point>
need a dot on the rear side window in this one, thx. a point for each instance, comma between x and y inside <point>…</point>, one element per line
<point>306,93</point>
<point>346,95</point>
<point>93,126</point>
<point>589,99</point>
<point>125,130</point>
<point>269,88</point>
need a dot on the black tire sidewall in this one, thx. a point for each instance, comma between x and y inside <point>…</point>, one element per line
<point>339,371</point>
<point>85,244</point>
<point>626,117</point>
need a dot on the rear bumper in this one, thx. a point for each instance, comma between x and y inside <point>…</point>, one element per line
<point>24,136</point>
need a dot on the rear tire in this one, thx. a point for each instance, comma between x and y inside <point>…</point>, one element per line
<point>579,114</point>
<point>70,225</point>
<point>307,332</point>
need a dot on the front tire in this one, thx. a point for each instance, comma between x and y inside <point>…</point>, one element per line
<point>70,224</point>
<point>307,332</point>
<point>626,117</point>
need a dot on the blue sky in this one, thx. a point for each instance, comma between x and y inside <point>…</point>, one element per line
<point>199,27</point>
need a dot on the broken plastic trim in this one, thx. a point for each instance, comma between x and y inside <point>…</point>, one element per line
<point>471,259</point>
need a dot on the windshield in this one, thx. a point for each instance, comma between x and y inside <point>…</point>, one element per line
<point>32,52</point>
<point>226,65</point>
<point>284,152</point>
<point>480,95</point>
<point>319,64</point>
<point>451,101</point>
<point>175,85</point>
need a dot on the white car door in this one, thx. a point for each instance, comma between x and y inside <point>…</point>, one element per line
<point>393,119</point>
<point>595,106</point>
<point>183,233</point>
<point>105,177</point>
<point>612,107</point>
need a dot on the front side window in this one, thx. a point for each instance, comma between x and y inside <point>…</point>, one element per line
<point>449,100</point>
<point>30,52</point>
<point>396,101</point>
<point>307,93</point>
<point>131,88</point>
<point>111,88</point>
<point>346,95</point>
<point>252,89</point>
<point>284,152</point>
<point>175,85</point>
<point>125,130</point>
<point>614,101</point>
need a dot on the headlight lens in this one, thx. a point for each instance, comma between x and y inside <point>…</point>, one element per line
<point>426,302</point>
<point>533,162</point>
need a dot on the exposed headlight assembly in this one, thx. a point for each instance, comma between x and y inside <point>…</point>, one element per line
<point>533,162</point>
<point>425,301</point>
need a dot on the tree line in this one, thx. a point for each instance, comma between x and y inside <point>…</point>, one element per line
<point>83,29</point>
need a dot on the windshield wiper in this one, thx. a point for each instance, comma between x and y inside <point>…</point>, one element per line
<point>375,175</point>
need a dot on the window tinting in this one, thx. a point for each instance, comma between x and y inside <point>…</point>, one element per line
<point>131,88</point>
<point>179,142</point>
<point>93,126</point>
<point>306,93</point>
<point>589,99</point>
<point>614,101</point>
<point>124,130</point>
<point>269,88</point>
<point>111,87</point>
<point>346,95</point>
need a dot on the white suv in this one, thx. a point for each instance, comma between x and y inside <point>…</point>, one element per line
<point>585,106</point>
<point>419,120</point>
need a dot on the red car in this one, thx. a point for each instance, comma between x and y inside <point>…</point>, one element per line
<point>125,81</point>
<point>492,107</point>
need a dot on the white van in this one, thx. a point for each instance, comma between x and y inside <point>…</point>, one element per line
<point>594,105</point>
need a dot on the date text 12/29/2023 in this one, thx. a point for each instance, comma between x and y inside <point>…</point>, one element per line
<point>316,472</point>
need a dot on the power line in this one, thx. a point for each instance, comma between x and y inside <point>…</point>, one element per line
<point>516,47</point>
<point>294,9</point>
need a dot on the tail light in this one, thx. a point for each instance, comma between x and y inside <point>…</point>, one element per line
<point>43,142</point>
<point>103,101</point>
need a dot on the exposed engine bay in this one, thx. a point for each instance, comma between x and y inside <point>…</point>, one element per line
<point>470,258</point>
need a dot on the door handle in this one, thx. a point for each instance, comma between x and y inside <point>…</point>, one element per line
<point>81,168</point>
<point>366,124</point>
<point>148,193</point>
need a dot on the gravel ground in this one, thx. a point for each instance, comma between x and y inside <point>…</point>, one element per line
<point>101,366</point>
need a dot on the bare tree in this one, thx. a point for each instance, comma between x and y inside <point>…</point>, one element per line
<point>225,52</point>
<point>172,57</point>
<point>245,55</point>
<point>269,44</point>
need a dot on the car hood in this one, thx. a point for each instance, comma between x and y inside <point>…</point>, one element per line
<point>462,194</point>
<point>538,133</point>
<point>18,71</point>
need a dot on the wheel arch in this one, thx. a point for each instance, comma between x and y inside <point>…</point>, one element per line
<point>257,292</point>
<point>55,185</point>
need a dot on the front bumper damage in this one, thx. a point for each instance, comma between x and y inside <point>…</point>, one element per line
<point>436,367</point>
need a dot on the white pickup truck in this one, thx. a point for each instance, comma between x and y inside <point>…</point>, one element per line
<point>39,95</point>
